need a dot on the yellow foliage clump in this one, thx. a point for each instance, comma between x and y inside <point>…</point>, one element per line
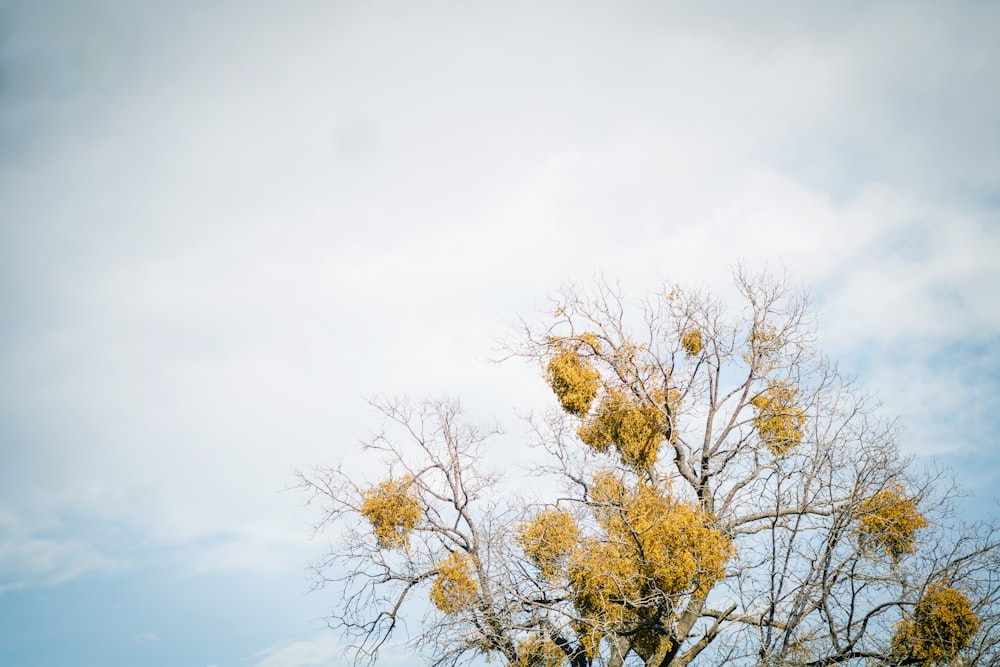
<point>636,430</point>
<point>764,348</point>
<point>573,378</point>
<point>393,511</point>
<point>591,340</point>
<point>649,641</point>
<point>653,545</point>
<point>673,539</point>
<point>691,342</point>
<point>547,539</point>
<point>604,578</point>
<point>589,637</point>
<point>454,587</point>
<point>779,419</point>
<point>942,624</point>
<point>889,520</point>
<point>536,651</point>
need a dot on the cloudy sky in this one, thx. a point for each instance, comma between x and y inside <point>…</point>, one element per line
<point>224,223</point>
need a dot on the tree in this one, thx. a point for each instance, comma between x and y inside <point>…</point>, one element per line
<point>716,492</point>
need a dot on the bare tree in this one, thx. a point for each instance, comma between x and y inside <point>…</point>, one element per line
<point>721,495</point>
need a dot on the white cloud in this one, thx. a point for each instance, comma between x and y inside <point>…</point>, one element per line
<point>30,562</point>
<point>203,280</point>
<point>322,651</point>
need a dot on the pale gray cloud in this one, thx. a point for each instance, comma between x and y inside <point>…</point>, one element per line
<point>224,223</point>
<point>31,560</point>
<point>320,651</point>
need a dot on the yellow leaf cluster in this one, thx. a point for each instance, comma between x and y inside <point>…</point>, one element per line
<point>653,545</point>
<point>673,539</point>
<point>589,637</point>
<point>942,624</point>
<point>779,419</point>
<point>536,651</point>
<point>548,539</point>
<point>573,378</point>
<point>454,587</point>
<point>604,577</point>
<point>648,641</point>
<point>889,521</point>
<point>764,349</point>
<point>591,340</point>
<point>634,429</point>
<point>393,511</point>
<point>691,342</point>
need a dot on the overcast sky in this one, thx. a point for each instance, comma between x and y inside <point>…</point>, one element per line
<point>224,223</point>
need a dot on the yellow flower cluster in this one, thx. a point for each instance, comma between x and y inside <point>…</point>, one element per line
<point>537,651</point>
<point>635,430</point>
<point>574,379</point>
<point>691,342</point>
<point>547,539</point>
<point>653,545</point>
<point>942,624</point>
<point>454,587</point>
<point>889,520</point>
<point>779,419</point>
<point>393,511</point>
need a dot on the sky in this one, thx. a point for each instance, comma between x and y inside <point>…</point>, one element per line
<point>223,224</point>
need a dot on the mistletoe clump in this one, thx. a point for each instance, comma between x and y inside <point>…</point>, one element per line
<point>653,549</point>
<point>454,587</point>
<point>889,521</point>
<point>393,512</point>
<point>538,651</point>
<point>573,378</point>
<point>691,342</point>
<point>547,539</point>
<point>942,624</point>
<point>634,429</point>
<point>779,419</point>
